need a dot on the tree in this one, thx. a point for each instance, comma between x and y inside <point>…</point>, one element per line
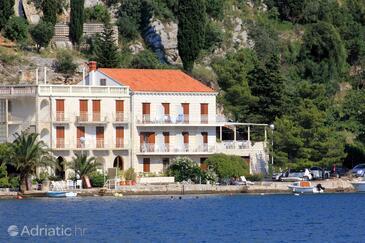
<point>191,33</point>
<point>215,8</point>
<point>184,169</point>
<point>322,56</point>
<point>129,18</point>
<point>227,166</point>
<point>106,51</point>
<point>146,60</point>
<point>50,9</point>
<point>76,21</point>
<point>83,166</point>
<point>6,11</point>
<point>27,154</point>
<point>42,34</point>
<point>64,64</point>
<point>98,13</point>
<point>267,84</point>
<point>16,29</point>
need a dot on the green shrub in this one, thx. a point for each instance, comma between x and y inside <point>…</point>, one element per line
<point>4,179</point>
<point>98,13</point>
<point>215,8</point>
<point>42,34</point>
<point>14,182</point>
<point>97,179</point>
<point>254,177</point>
<point>130,175</point>
<point>16,29</point>
<point>65,64</point>
<point>213,36</point>
<point>227,166</point>
<point>184,169</point>
<point>145,60</point>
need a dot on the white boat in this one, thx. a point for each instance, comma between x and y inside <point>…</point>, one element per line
<point>61,194</point>
<point>305,187</point>
<point>359,185</point>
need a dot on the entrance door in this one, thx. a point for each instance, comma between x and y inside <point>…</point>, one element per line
<point>118,163</point>
<point>146,164</point>
<point>96,110</point>
<point>60,110</point>
<point>203,164</point>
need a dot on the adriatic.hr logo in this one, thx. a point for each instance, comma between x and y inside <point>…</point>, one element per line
<point>45,231</point>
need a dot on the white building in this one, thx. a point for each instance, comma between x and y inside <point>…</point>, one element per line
<point>128,118</point>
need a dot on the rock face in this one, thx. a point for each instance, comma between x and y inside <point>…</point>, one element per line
<point>28,10</point>
<point>136,47</point>
<point>240,35</point>
<point>162,38</point>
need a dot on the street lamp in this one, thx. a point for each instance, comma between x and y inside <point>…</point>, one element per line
<point>272,127</point>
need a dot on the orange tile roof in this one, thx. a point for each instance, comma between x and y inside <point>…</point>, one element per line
<point>152,80</point>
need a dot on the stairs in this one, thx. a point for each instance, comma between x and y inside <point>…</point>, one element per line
<point>258,159</point>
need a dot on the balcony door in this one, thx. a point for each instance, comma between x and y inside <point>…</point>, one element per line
<point>147,141</point>
<point>60,137</point>
<point>146,112</point>
<point>83,110</point>
<point>186,141</point>
<point>186,111</point>
<point>166,112</point>
<point>119,137</point>
<point>60,110</point>
<point>80,134</point>
<point>205,141</point>
<point>96,110</point>
<point>119,110</point>
<point>166,140</point>
<point>204,112</point>
<point>100,137</point>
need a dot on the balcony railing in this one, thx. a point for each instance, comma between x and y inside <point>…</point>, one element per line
<point>119,143</point>
<point>61,117</point>
<point>167,148</point>
<point>178,119</point>
<point>100,143</point>
<point>119,117</point>
<point>18,90</point>
<point>86,117</point>
<point>60,143</point>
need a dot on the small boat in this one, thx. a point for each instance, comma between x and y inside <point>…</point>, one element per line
<point>61,194</point>
<point>305,187</point>
<point>359,185</point>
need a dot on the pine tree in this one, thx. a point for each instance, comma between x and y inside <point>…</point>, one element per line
<point>50,8</point>
<point>191,34</point>
<point>106,51</point>
<point>6,10</point>
<point>76,21</point>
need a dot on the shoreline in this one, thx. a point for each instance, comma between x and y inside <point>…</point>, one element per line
<point>265,187</point>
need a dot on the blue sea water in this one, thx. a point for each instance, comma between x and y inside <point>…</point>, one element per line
<point>238,218</point>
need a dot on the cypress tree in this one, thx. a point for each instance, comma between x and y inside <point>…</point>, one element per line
<point>49,8</point>
<point>191,34</point>
<point>6,10</point>
<point>76,21</point>
<point>106,51</point>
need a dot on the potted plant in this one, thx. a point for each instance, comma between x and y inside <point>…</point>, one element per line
<point>130,176</point>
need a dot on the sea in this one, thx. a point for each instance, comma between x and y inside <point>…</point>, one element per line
<point>338,217</point>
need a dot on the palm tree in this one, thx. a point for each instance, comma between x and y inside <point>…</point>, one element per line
<point>83,166</point>
<point>26,154</point>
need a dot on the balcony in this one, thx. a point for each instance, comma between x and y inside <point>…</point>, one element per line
<point>120,144</point>
<point>147,148</point>
<point>17,90</point>
<point>61,118</point>
<point>120,118</point>
<point>91,118</point>
<point>177,120</point>
<point>81,90</point>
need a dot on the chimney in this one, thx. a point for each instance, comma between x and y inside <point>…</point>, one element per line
<point>92,66</point>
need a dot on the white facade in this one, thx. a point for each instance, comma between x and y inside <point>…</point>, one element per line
<point>149,141</point>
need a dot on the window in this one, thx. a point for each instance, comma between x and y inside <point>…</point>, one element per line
<point>165,164</point>
<point>102,82</point>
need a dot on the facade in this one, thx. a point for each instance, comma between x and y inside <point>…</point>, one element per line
<point>128,118</point>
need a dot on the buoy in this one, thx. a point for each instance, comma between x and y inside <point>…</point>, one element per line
<point>118,195</point>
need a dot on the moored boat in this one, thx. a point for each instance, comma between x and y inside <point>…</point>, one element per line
<point>61,194</point>
<point>305,187</point>
<point>359,185</point>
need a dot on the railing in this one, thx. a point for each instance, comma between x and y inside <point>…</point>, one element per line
<point>233,145</point>
<point>120,117</point>
<point>61,117</point>
<point>68,90</point>
<point>91,117</point>
<point>100,143</point>
<point>119,143</point>
<point>167,148</point>
<point>60,143</point>
<point>178,119</point>
<point>18,90</point>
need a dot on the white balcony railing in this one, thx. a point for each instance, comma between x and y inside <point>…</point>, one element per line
<point>119,117</point>
<point>85,117</point>
<point>60,143</point>
<point>61,117</point>
<point>167,148</point>
<point>178,119</point>
<point>119,143</point>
